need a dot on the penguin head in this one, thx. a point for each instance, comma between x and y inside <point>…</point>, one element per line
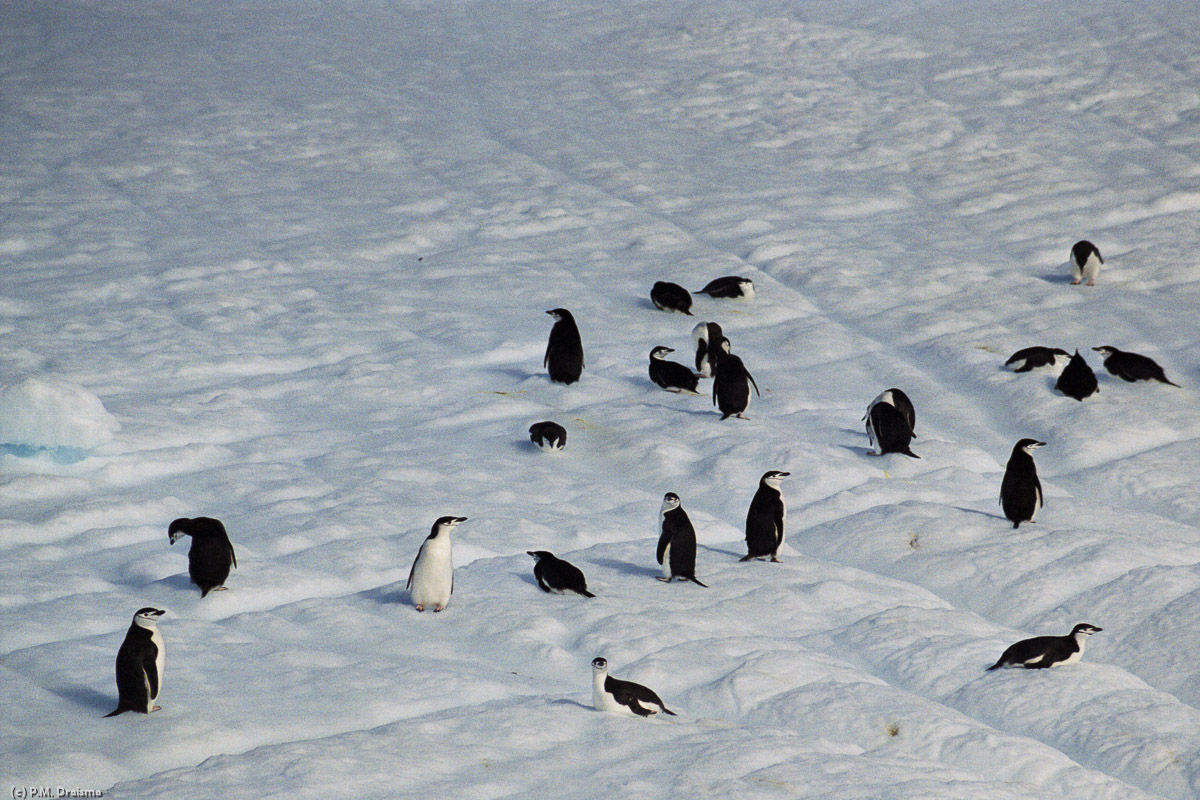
<point>725,346</point>
<point>774,477</point>
<point>670,502</point>
<point>538,555</point>
<point>1027,446</point>
<point>660,352</point>
<point>148,616</point>
<point>446,524</point>
<point>1084,629</point>
<point>560,314</point>
<point>178,529</point>
<point>599,664</point>
<point>1105,351</point>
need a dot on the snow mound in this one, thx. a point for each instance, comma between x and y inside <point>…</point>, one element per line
<point>53,413</point>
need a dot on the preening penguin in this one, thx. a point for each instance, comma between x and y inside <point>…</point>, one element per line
<point>548,435</point>
<point>1085,262</point>
<point>1041,652</point>
<point>211,554</point>
<point>1030,358</point>
<point>671,297</point>
<point>676,542</point>
<point>731,385</point>
<point>623,697</point>
<point>140,664</point>
<point>890,421</point>
<point>730,286</point>
<point>557,576</point>
<point>431,579</point>
<point>564,351</point>
<point>766,518</point>
<point>1132,366</point>
<point>1077,379</point>
<point>708,339</point>
<point>671,375</point>
<point>1021,491</point>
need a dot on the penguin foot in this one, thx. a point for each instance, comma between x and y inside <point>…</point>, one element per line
<point>775,560</point>
<point>1074,283</point>
<point>438,608</point>
<point>661,578</point>
<point>221,589</point>
<point>743,416</point>
<point>420,608</point>
<point>157,708</point>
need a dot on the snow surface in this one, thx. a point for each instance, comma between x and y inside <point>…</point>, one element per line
<point>302,254</point>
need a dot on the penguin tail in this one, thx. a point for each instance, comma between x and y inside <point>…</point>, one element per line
<point>997,665</point>
<point>586,593</point>
<point>692,578</point>
<point>909,453</point>
<point>204,590</point>
<point>669,711</point>
<point>1172,383</point>
<point>746,557</point>
<point>115,711</point>
<point>1016,525</point>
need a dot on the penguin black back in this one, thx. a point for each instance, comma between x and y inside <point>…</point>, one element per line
<point>1021,491</point>
<point>890,430</point>
<point>766,519</point>
<point>1132,366</point>
<point>671,375</point>
<point>729,286</point>
<point>671,297</point>
<point>548,435</point>
<point>731,387</point>
<point>211,555</point>
<point>677,542</point>
<point>1029,358</point>
<point>556,576</point>
<point>139,664</point>
<point>1077,379</point>
<point>564,351</point>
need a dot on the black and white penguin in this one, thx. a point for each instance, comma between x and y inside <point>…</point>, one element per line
<point>899,400</point>
<point>564,351</point>
<point>1021,491</point>
<point>140,664</point>
<point>766,518</point>
<point>889,430</point>
<point>671,375</point>
<point>431,579</point>
<point>1077,379</point>
<point>708,339</point>
<point>557,576</point>
<point>623,697</point>
<point>671,297</point>
<point>1041,652</point>
<point>1085,262</point>
<point>730,286</point>
<point>1132,366</point>
<point>731,385</point>
<point>211,554</point>
<point>548,435</point>
<point>1030,358</point>
<point>676,542</point>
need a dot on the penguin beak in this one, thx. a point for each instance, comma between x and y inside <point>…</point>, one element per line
<point>459,520</point>
<point>175,537</point>
<point>669,349</point>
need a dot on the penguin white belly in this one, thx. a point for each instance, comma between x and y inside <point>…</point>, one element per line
<point>1074,657</point>
<point>1091,269</point>
<point>748,290</point>
<point>159,661</point>
<point>666,565</point>
<point>433,575</point>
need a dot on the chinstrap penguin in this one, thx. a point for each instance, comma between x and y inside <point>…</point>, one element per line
<point>211,555</point>
<point>708,339</point>
<point>564,350</point>
<point>890,419</point>
<point>1085,262</point>
<point>671,297</point>
<point>900,401</point>
<point>766,518</point>
<point>140,664</point>
<point>556,576</point>
<point>623,697</point>
<point>671,375</point>
<point>548,435</point>
<point>431,579</point>
<point>1077,379</point>
<point>1021,491</point>
<point>1041,652</point>
<point>730,286</point>
<point>731,385</point>
<point>1030,358</point>
<point>1132,366</point>
<point>676,542</point>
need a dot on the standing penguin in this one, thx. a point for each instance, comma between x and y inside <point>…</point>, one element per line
<point>1132,366</point>
<point>730,286</point>
<point>899,400</point>
<point>671,297</point>
<point>671,375</point>
<point>889,430</point>
<point>623,697</point>
<point>1041,652</point>
<point>1029,358</point>
<point>548,435</point>
<point>677,542</point>
<point>140,664</point>
<point>1021,491</point>
<point>766,518</point>
<point>708,339</point>
<point>431,579</point>
<point>1077,379</point>
<point>564,351</point>
<point>556,576</point>
<point>731,385</point>
<point>211,554</point>
<point>1085,262</point>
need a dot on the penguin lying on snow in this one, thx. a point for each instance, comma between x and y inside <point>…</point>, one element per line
<point>890,418</point>
<point>1077,379</point>
<point>140,664</point>
<point>766,518</point>
<point>730,286</point>
<point>211,554</point>
<point>1041,652</point>
<point>548,435</point>
<point>1085,262</point>
<point>1033,357</point>
<point>556,576</point>
<point>708,339</point>
<point>1132,366</point>
<point>1021,491</point>
<point>676,542</point>
<point>731,385</point>
<point>671,297</point>
<point>671,375</point>
<point>431,579</point>
<point>564,350</point>
<point>623,697</point>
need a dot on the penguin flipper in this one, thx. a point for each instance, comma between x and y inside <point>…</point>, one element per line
<point>150,665</point>
<point>751,378</point>
<point>663,541</point>
<point>413,571</point>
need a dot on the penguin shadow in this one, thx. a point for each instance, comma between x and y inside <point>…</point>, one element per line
<point>565,702</point>
<point>646,303</point>
<point>86,697</point>
<point>730,553</point>
<point>387,595</point>
<point>987,514</point>
<point>517,373</point>
<point>528,578</point>
<point>627,568</point>
<point>694,412</point>
<point>1061,275</point>
<point>179,582</point>
<point>858,450</point>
